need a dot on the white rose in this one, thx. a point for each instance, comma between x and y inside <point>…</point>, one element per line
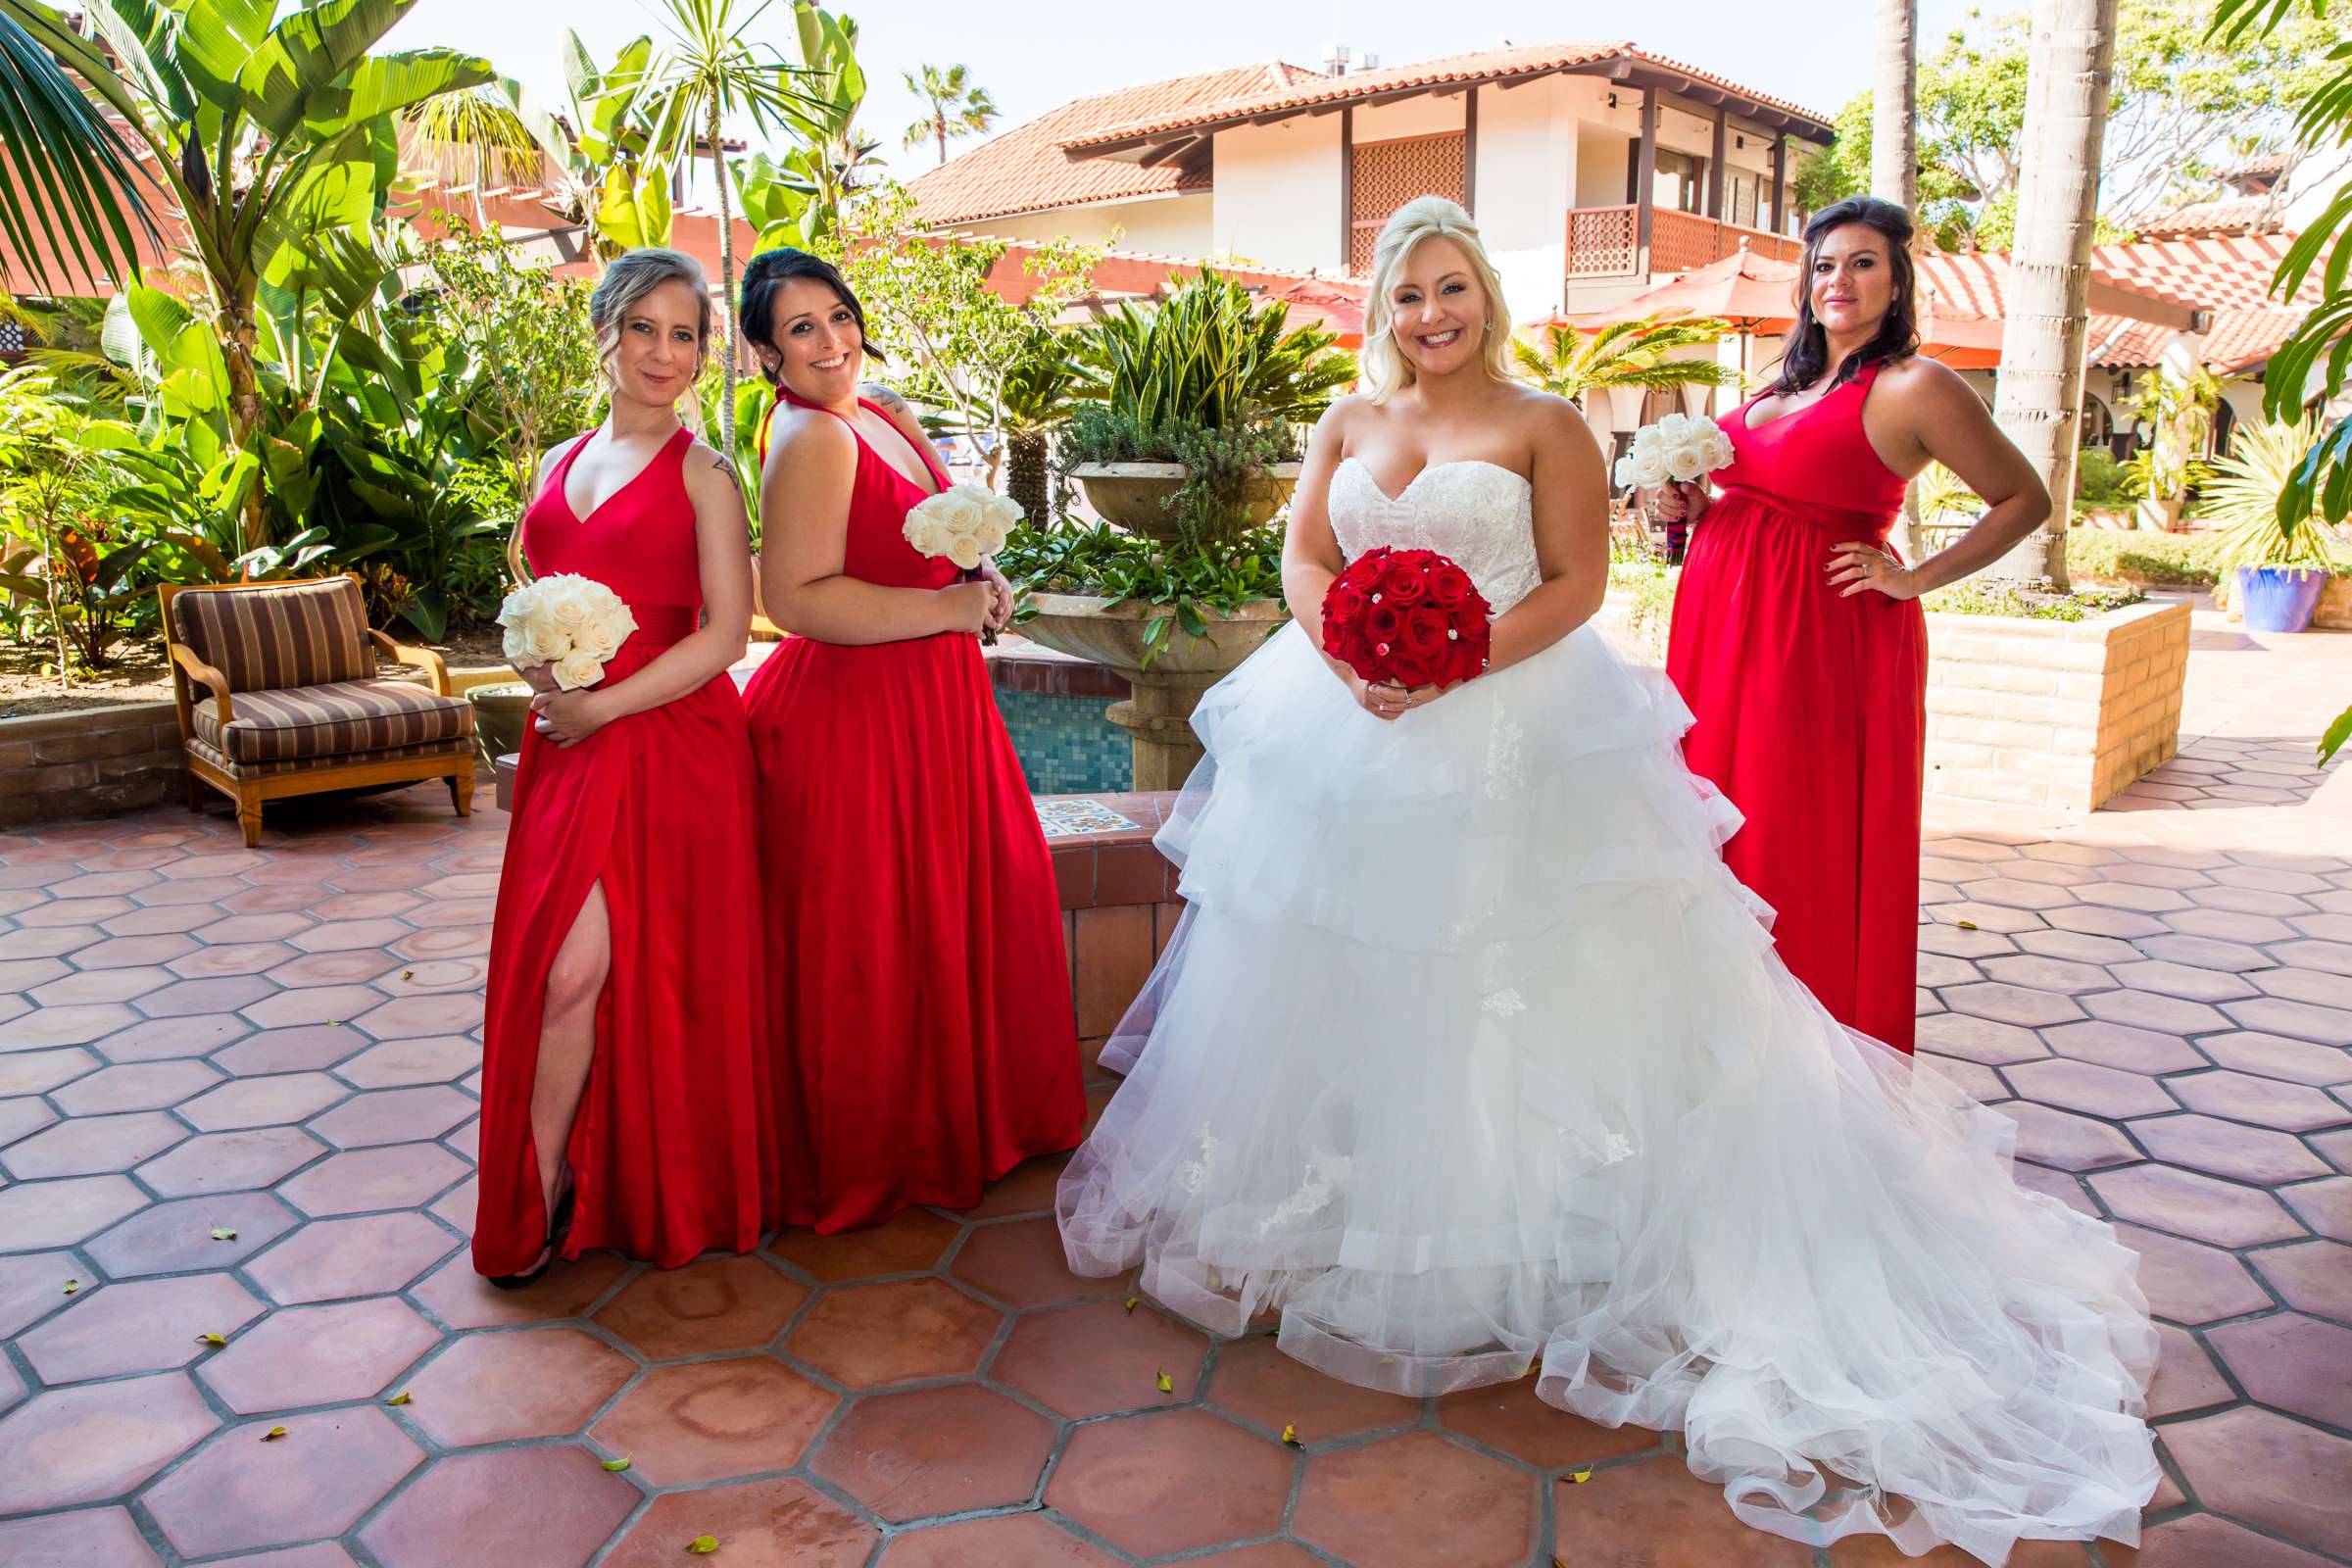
<point>1625,472</point>
<point>578,668</point>
<point>521,605</point>
<point>1719,451</point>
<point>1003,512</point>
<point>1649,469</point>
<point>965,551</point>
<point>1649,439</point>
<point>929,538</point>
<point>543,643</point>
<point>602,636</point>
<point>1687,462</point>
<point>990,537</point>
<point>961,512</point>
<point>516,650</point>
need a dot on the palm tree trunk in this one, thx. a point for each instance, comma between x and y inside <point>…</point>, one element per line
<point>2039,396</point>
<point>938,128</point>
<point>726,294</point>
<point>1894,168</point>
<point>1025,472</point>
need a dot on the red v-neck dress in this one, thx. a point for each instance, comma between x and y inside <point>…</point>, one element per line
<point>1811,708</point>
<point>919,993</point>
<point>665,1153</point>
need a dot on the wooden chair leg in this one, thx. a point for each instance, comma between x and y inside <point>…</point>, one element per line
<point>461,789</point>
<point>199,792</point>
<point>249,817</point>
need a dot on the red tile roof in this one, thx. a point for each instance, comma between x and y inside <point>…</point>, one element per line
<point>2228,276</point>
<point>2236,215</point>
<point>1025,168</point>
<point>1477,66</point>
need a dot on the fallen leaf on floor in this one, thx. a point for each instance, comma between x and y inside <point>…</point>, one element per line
<point>1167,1384</point>
<point>703,1546</point>
<point>402,1398</point>
<point>221,1233</point>
<point>1575,1476</point>
<point>621,1463</point>
<point>273,1434</point>
<point>210,1339</point>
<point>1966,925</point>
<point>1131,1300</point>
<point>1289,1435</point>
<point>408,974</point>
<point>71,1286</point>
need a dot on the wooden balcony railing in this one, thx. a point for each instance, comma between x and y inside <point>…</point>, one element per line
<point>1602,241</point>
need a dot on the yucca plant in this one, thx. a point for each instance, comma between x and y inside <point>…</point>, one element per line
<point>1568,363</point>
<point>1208,356</point>
<point>2241,499</point>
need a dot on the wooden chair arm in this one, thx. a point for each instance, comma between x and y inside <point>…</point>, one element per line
<point>436,669</point>
<point>196,670</point>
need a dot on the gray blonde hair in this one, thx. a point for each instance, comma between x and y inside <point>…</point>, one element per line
<point>1385,369</point>
<point>629,277</point>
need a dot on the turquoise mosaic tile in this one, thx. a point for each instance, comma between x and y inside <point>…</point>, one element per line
<point>1066,746</point>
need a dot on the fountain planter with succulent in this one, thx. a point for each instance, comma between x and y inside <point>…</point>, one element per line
<point>1186,439</point>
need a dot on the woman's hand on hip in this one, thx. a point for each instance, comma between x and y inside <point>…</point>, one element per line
<point>1856,567</point>
<point>567,718</point>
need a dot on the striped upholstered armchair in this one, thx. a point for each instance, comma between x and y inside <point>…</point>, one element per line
<point>290,704</point>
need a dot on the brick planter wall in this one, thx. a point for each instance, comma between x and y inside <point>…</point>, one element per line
<point>2053,712</point>
<point>87,763</point>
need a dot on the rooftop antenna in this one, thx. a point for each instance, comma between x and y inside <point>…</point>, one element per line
<point>1336,61</point>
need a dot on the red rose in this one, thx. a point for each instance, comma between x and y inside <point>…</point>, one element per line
<point>1425,633</point>
<point>1406,670</point>
<point>1403,585</point>
<point>1381,624</point>
<point>1344,604</point>
<point>1450,587</point>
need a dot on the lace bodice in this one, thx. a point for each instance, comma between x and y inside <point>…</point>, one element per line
<point>1478,515</point>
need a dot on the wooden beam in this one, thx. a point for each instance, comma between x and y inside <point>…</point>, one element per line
<point>1645,182</point>
<point>1715,167</point>
<point>1780,182</point>
<point>1347,189</point>
<point>1470,152</point>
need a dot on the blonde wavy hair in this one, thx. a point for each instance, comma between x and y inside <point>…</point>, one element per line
<point>1384,365</point>
<point>628,278</point>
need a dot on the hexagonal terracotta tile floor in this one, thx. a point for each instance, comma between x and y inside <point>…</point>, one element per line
<point>237,1094</point>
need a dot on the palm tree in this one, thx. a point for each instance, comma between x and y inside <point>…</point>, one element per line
<point>1895,164</point>
<point>2038,397</point>
<point>1568,363</point>
<point>480,125</point>
<point>66,160</point>
<point>711,71</point>
<point>1037,391</point>
<point>957,109</point>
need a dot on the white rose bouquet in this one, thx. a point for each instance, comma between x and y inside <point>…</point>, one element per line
<point>571,622</point>
<point>962,524</point>
<point>1680,448</point>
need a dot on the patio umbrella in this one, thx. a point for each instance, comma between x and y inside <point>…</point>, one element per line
<point>1757,294</point>
<point>1337,307</point>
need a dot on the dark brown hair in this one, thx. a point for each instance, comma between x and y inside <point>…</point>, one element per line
<point>766,278</point>
<point>1808,353</point>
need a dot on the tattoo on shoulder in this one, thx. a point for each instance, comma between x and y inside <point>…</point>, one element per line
<point>883,395</point>
<point>719,460</point>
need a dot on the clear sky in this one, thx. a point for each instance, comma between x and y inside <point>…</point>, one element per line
<point>1035,56</point>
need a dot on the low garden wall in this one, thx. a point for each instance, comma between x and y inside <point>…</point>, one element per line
<point>87,763</point>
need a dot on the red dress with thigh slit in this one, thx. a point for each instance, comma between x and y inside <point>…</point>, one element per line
<point>667,1150</point>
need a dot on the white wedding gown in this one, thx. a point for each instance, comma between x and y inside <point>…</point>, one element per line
<point>1469,1051</point>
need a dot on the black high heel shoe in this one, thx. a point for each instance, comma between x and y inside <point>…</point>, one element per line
<point>558,1232</point>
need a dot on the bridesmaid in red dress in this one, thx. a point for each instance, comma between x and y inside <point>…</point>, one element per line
<point>621,1100</point>
<point>1795,638</point>
<point>924,1042</point>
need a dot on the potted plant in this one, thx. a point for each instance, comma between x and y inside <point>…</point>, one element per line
<point>1203,392</point>
<point>2276,568</point>
<point>1205,398</point>
<point>2178,405</point>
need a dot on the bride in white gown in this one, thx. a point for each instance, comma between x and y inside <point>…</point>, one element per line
<point>1469,1053</point>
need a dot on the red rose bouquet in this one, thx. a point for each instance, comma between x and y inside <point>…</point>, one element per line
<point>1407,617</point>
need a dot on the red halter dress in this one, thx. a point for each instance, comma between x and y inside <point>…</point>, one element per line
<point>919,993</point>
<point>1811,708</point>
